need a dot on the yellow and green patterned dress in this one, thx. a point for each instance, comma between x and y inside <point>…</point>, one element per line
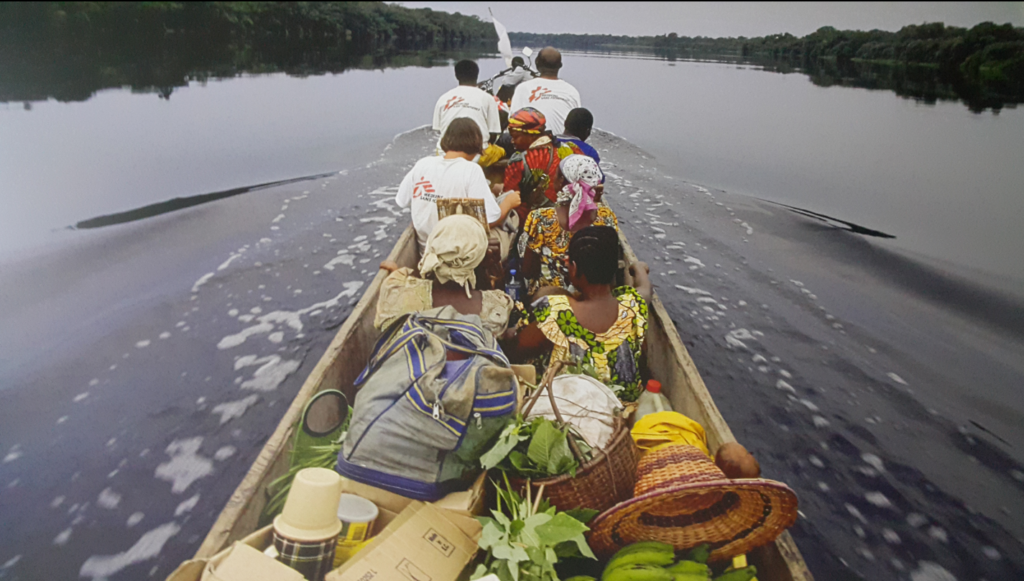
<point>544,235</point>
<point>615,353</point>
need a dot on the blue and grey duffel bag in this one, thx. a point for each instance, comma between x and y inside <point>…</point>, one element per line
<point>420,422</point>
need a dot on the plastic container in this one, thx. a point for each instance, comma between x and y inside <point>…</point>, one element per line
<point>307,514</point>
<point>514,288</point>
<point>357,516</point>
<point>651,401</point>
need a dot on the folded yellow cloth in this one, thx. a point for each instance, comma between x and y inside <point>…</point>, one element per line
<point>491,155</point>
<point>666,428</point>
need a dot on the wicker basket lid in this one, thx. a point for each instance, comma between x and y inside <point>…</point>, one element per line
<point>683,499</point>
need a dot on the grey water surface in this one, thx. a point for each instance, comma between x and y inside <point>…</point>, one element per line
<point>143,364</point>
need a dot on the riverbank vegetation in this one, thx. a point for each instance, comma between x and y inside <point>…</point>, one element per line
<point>69,50</point>
<point>982,65</point>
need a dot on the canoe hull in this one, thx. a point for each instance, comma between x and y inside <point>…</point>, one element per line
<point>345,358</point>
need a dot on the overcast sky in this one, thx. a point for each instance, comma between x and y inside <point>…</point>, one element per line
<point>727,18</point>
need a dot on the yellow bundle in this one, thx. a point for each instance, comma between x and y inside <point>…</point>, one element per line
<point>491,155</point>
<point>666,428</point>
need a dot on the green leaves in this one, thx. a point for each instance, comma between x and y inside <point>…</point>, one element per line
<point>525,544</point>
<point>539,449</point>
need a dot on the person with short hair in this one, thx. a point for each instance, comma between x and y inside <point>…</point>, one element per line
<point>468,101</point>
<point>603,327</point>
<point>548,94</point>
<point>453,175</point>
<point>578,125</point>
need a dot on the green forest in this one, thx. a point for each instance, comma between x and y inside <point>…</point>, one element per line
<point>69,50</point>
<point>983,65</point>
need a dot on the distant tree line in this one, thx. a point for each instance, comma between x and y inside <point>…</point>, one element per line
<point>984,65</point>
<point>69,50</point>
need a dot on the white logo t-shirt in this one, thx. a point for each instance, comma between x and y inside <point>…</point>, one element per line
<point>466,101</point>
<point>552,97</point>
<point>434,178</point>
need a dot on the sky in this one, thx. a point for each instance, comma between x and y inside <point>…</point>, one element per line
<point>723,19</point>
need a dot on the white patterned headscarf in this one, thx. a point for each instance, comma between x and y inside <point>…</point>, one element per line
<point>582,175</point>
<point>455,247</point>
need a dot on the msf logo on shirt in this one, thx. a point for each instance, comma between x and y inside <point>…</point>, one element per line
<point>453,102</point>
<point>422,187</point>
<point>538,93</point>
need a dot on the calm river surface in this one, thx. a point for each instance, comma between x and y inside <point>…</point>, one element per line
<point>879,377</point>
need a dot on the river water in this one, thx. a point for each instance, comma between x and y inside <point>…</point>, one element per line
<point>877,376</point>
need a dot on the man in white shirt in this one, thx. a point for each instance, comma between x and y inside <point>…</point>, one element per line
<point>548,94</point>
<point>453,175</point>
<point>467,100</point>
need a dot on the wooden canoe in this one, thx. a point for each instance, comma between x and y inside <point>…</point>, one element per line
<point>346,356</point>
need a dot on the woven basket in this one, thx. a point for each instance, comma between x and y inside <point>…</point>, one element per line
<point>600,483</point>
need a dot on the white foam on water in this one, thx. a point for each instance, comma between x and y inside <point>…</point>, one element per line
<point>63,538</point>
<point>694,261</point>
<point>275,337</point>
<point>11,562</point>
<point>271,374</point>
<point>234,409</point>
<point>186,505</point>
<point>809,405</point>
<point>202,280</point>
<point>224,453</point>
<point>820,422</point>
<point>57,502</point>
<point>185,466</point>
<point>878,499</point>
<point>81,396</point>
<point>101,567</point>
<point>692,291</point>
<point>736,337</point>
<point>785,374</point>
<point>135,519</point>
<point>890,536</point>
<point>142,344</point>
<point>747,227</point>
<point>929,571</point>
<point>896,378</point>
<point>290,318</point>
<point>246,318</point>
<point>346,259</point>
<point>108,499</point>
<point>12,456</point>
<point>782,385</point>
<point>856,513</point>
<point>873,461</point>
<point>277,219</point>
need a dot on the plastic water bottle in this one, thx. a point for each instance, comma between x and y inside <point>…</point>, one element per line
<point>651,401</point>
<point>514,288</point>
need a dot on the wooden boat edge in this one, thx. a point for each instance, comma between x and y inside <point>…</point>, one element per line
<point>780,560</point>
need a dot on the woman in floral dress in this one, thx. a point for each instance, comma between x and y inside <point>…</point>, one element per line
<point>544,243</point>
<point>604,328</point>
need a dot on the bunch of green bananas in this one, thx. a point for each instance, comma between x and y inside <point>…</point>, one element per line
<point>655,561</point>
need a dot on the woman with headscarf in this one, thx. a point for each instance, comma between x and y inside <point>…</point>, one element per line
<point>544,243</point>
<point>604,327</point>
<point>455,248</point>
<point>533,169</point>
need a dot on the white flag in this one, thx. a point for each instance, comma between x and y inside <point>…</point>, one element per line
<point>504,44</point>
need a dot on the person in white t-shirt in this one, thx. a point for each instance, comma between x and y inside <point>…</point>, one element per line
<point>467,100</point>
<point>453,175</point>
<point>548,94</point>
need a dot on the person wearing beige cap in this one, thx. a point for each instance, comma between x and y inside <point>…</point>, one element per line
<point>455,248</point>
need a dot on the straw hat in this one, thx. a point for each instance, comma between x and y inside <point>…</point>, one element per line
<point>683,499</point>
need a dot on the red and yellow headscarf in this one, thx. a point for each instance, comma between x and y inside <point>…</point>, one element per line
<point>527,120</point>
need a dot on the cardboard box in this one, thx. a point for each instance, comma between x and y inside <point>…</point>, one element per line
<point>466,503</point>
<point>196,569</point>
<point>423,543</point>
<point>244,563</point>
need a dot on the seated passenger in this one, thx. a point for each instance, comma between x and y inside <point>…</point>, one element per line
<point>578,125</point>
<point>455,248</point>
<point>533,168</point>
<point>605,327</point>
<point>544,243</point>
<point>452,176</point>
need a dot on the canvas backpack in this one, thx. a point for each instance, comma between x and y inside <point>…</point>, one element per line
<point>419,429</point>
